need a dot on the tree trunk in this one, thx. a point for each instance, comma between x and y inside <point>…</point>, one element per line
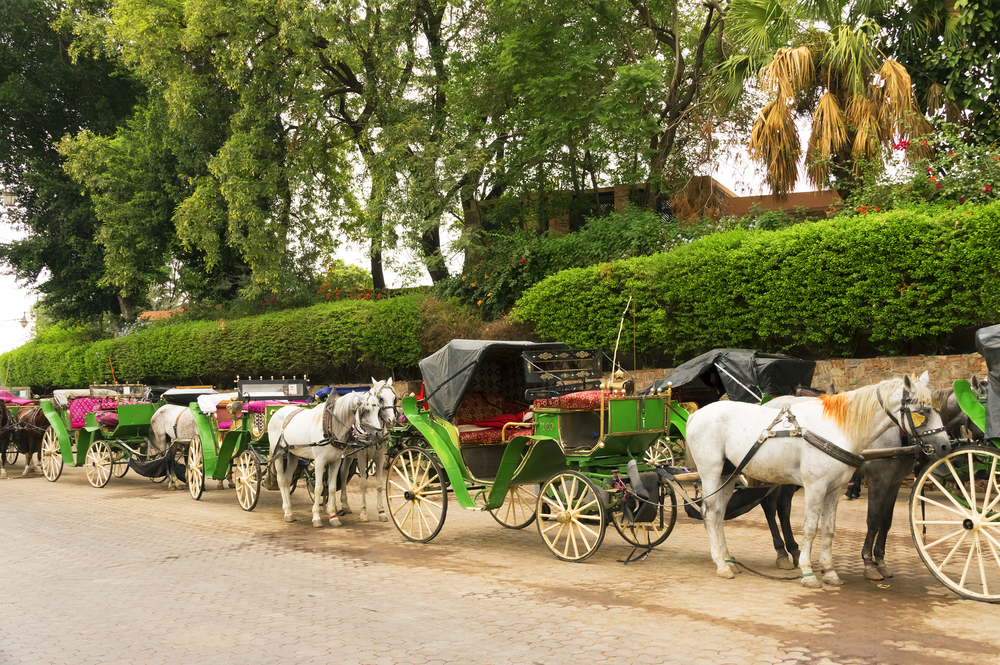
<point>127,308</point>
<point>378,278</point>
<point>430,244</point>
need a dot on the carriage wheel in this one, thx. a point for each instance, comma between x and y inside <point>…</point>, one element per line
<point>955,521</point>
<point>309,473</point>
<point>98,463</point>
<point>659,454</point>
<point>52,460</point>
<point>572,516</point>
<point>195,475</point>
<point>246,475</point>
<point>649,534</point>
<point>120,458</point>
<point>416,494</point>
<point>518,508</point>
<point>9,450</point>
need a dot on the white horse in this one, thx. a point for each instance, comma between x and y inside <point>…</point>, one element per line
<point>373,454</point>
<point>849,421</point>
<point>298,432</point>
<point>170,423</point>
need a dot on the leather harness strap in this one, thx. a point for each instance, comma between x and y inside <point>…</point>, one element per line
<point>834,451</point>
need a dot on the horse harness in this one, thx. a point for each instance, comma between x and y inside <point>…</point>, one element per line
<point>354,442</point>
<point>914,420</point>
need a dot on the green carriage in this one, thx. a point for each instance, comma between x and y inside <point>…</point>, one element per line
<point>955,501</point>
<point>560,451</point>
<point>231,439</point>
<point>99,428</point>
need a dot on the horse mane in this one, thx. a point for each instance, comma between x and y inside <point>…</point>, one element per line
<point>854,411</point>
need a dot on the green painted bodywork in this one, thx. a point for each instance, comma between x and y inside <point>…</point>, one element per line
<point>563,439</point>
<point>968,400</point>
<point>219,451</point>
<point>133,425</point>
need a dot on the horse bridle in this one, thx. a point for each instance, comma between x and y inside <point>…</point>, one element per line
<point>391,420</point>
<point>907,415</point>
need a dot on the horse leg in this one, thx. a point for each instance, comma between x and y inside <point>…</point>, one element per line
<point>770,506</point>
<point>883,532</point>
<point>714,513</point>
<point>285,483</point>
<point>345,477</point>
<point>828,524</point>
<point>810,521</point>
<point>875,472</point>
<point>785,496</point>
<point>380,485</point>
<point>363,482</point>
<point>332,507</point>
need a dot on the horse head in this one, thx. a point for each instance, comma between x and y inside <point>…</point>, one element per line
<point>917,412</point>
<point>387,401</point>
<point>366,416</point>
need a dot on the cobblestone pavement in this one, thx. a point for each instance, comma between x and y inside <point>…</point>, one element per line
<point>134,573</point>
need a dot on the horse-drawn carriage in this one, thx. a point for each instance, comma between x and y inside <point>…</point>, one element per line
<point>533,431</point>
<point>17,416</point>
<point>230,438</point>
<point>99,428</point>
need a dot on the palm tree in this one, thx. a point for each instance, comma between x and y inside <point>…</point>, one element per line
<point>860,102</point>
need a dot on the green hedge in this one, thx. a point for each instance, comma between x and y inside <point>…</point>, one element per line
<point>337,342</point>
<point>896,282</point>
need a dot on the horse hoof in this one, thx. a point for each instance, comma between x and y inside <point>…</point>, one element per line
<point>334,521</point>
<point>812,582</point>
<point>784,563</point>
<point>725,573</point>
<point>345,511</point>
<point>832,579</point>
<point>382,517</point>
<point>318,523</point>
<point>885,571</point>
<point>873,574</point>
<point>290,519</point>
<point>733,567</point>
<point>363,518</point>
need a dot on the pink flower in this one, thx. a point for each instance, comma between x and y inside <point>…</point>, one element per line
<point>988,188</point>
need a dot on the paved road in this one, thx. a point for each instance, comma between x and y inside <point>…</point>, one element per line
<point>133,573</point>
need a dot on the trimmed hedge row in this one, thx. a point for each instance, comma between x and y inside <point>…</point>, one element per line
<point>334,342</point>
<point>901,281</point>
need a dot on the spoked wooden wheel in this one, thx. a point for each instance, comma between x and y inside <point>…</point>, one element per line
<point>518,509</point>
<point>120,459</point>
<point>246,475</point>
<point>52,461</point>
<point>310,476</point>
<point>649,534</point>
<point>658,454</point>
<point>955,521</point>
<point>416,494</point>
<point>572,517</point>
<point>195,475</point>
<point>9,449</point>
<point>98,463</point>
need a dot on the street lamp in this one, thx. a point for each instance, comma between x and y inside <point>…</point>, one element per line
<point>8,199</point>
<point>24,320</point>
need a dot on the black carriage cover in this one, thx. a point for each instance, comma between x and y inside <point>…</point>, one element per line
<point>988,345</point>
<point>448,372</point>
<point>744,374</point>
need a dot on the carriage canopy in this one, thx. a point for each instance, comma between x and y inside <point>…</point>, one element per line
<point>467,364</point>
<point>745,375</point>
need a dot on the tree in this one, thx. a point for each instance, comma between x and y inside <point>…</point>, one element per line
<point>951,50</point>
<point>860,103</point>
<point>43,96</point>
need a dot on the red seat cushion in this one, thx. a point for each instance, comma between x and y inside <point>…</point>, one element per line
<point>586,400</point>
<point>492,435</point>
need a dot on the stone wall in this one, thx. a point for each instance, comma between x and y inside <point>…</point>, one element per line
<point>843,373</point>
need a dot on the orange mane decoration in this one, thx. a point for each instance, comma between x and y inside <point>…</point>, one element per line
<point>835,408</point>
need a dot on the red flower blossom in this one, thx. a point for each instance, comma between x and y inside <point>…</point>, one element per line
<point>938,186</point>
<point>962,200</point>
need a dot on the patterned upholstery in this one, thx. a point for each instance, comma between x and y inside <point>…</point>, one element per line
<point>492,435</point>
<point>587,400</point>
<point>80,407</point>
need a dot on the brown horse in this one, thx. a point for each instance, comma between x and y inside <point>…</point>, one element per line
<point>31,425</point>
<point>7,434</point>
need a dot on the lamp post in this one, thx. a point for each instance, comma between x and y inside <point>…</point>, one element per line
<point>24,320</point>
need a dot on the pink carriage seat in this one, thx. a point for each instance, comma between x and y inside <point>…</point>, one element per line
<point>588,400</point>
<point>81,406</point>
<point>480,418</point>
<point>257,406</point>
<point>108,419</point>
<point>17,401</point>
